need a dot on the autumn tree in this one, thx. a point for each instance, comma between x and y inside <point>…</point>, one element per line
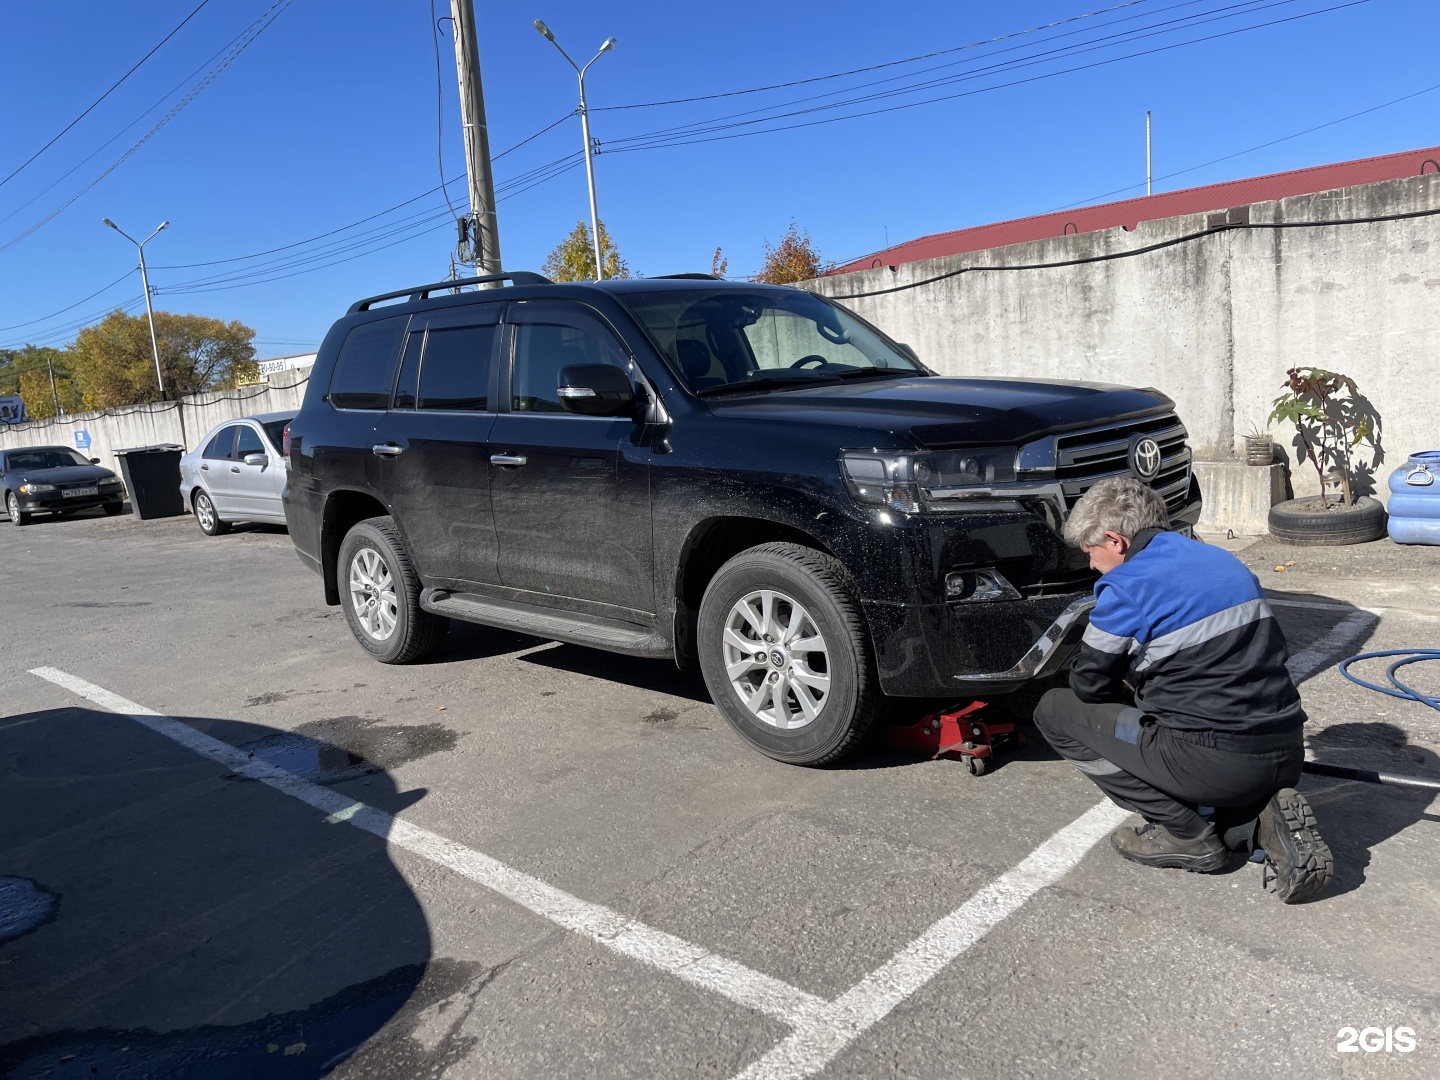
<point>113,364</point>
<point>793,259</point>
<point>718,264</point>
<point>27,372</point>
<point>574,257</point>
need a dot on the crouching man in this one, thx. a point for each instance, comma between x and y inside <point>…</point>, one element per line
<point>1180,706</point>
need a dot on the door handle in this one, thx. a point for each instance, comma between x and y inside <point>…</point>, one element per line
<point>387,450</point>
<point>507,459</point>
<point>234,468</point>
<point>204,468</point>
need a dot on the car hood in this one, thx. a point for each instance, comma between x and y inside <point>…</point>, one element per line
<point>939,412</point>
<point>69,474</point>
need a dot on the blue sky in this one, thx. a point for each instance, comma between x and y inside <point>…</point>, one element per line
<point>329,116</point>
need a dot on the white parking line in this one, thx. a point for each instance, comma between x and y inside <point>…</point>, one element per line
<point>821,1029</point>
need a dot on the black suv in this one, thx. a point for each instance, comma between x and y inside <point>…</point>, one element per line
<point>742,476</point>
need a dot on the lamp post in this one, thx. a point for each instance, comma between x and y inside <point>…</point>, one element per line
<point>145,281</point>
<point>585,131</point>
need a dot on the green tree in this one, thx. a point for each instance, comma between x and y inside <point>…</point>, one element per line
<point>793,259</point>
<point>574,257</point>
<point>113,363</point>
<point>30,368</point>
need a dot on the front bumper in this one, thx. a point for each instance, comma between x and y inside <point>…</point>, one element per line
<point>53,502</point>
<point>953,650</point>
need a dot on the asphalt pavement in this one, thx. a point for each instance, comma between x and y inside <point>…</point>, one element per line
<point>232,845</point>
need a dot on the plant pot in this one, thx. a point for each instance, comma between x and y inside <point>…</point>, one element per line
<point>1308,523</point>
<point>1259,450</point>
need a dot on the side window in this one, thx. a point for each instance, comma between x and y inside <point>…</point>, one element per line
<point>365,367</point>
<point>221,445</point>
<point>550,336</point>
<point>249,442</point>
<point>455,372</point>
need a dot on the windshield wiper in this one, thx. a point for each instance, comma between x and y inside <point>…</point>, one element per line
<point>769,382</point>
<point>872,372</point>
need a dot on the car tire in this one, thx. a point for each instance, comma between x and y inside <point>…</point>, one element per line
<point>1304,523</point>
<point>205,514</point>
<point>811,602</point>
<point>380,595</point>
<point>12,507</point>
<point>111,509</point>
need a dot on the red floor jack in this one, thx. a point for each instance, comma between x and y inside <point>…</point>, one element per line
<point>960,731</point>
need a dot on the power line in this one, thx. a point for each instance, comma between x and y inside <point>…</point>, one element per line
<point>440,111</point>
<point>686,139</point>
<point>45,318</point>
<point>870,67</point>
<point>258,27</point>
<point>103,96</point>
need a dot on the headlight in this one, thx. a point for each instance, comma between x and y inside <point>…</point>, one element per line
<point>110,481</point>
<point>910,482</point>
<point>37,489</point>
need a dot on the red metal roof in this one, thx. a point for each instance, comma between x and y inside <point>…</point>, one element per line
<point>1129,212</point>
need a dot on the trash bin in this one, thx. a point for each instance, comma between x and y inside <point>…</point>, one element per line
<point>152,477</point>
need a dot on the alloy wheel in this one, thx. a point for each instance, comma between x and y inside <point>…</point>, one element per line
<point>777,659</point>
<point>372,594</point>
<point>205,512</point>
<point>12,507</point>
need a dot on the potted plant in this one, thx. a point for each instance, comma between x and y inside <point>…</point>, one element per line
<point>1331,419</point>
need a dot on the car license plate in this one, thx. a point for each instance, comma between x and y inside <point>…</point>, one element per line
<point>73,493</point>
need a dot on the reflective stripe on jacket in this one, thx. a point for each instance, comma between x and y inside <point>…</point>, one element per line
<point>1188,625</point>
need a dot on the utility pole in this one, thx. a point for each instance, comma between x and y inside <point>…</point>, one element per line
<point>54,394</point>
<point>145,283</point>
<point>1147,151</point>
<point>482,244</point>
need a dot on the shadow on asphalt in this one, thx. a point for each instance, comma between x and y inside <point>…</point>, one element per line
<point>204,924</point>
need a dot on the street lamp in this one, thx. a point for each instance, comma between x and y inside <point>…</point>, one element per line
<point>145,281</point>
<point>585,131</point>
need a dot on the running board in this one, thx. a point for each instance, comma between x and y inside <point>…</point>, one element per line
<point>547,623</point>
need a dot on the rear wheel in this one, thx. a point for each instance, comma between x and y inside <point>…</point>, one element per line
<point>205,515</point>
<point>12,507</point>
<point>380,594</point>
<point>786,654</point>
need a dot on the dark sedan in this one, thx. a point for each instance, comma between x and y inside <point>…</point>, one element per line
<point>56,480</point>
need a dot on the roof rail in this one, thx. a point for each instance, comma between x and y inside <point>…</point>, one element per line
<point>692,277</point>
<point>422,292</point>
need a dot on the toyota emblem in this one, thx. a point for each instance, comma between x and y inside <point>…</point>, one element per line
<point>1144,457</point>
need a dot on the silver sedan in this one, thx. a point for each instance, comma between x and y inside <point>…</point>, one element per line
<point>237,473</point>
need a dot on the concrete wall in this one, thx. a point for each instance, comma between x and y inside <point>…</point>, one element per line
<point>1213,322</point>
<point>182,422</point>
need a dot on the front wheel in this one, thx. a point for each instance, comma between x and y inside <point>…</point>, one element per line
<point>12,507</point>
<point>786,654</point>
<point>380,594</point>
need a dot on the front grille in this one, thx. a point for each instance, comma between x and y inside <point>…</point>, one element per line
<point>1083,457</point>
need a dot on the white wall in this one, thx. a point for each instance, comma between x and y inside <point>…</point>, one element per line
<point>1213,322</point>
<point>182,422</point>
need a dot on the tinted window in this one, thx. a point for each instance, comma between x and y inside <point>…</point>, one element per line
<point>275,431</point>
<point>249,442</point>
<point>551,337</point>
<point>222,443</point>
<point>455,373</point>
<point>366,365</point>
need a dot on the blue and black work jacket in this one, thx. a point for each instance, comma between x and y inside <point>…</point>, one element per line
<point>1187,625</point>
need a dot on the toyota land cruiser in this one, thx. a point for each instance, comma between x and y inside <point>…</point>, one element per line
<point>742,476</point>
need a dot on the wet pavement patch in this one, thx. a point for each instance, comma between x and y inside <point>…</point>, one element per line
<point>24,906</point>
<point>344,747</point>
<point>394,1010</point>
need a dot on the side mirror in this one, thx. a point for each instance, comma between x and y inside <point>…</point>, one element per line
<point>94,461</point>
<point>257,459</point>
<point>596,390</point>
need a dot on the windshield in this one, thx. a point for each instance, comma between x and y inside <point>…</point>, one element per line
<point>51,457</point>
<point>735,339</point>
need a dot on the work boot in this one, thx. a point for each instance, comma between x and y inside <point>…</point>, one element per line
<point>1154,845</point>
<point>1298,864</point>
